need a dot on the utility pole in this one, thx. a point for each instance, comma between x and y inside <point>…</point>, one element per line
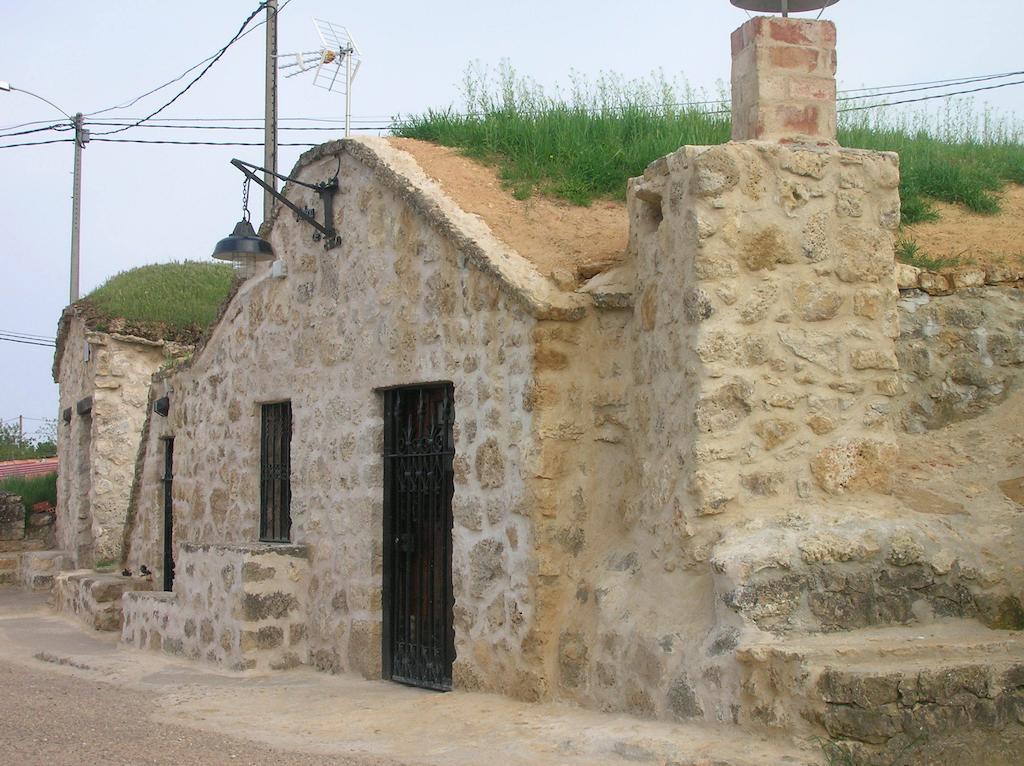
<point>21,429</point>
<point>270,117</point>
<point>81,139</point>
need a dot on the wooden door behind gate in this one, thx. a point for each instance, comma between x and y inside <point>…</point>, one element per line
<point>419,448</point>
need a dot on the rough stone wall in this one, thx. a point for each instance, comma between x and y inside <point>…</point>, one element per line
<point>93,598</point>
<point>76,379</point>
<point>241,606</point>
<point>959,354</point>
<point>397,303</point>
<point>144,543</point>
<point>98,449</point>
<point>766,316</point>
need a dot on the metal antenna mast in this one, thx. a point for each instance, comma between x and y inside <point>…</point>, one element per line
<point>336,63</point>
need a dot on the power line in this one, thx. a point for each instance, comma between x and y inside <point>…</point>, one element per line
<point>40,143</point>
<point>966,78</point>
<point>182,76</point>
<point>224,127</point>
<point>53,126</point>
<point>27,342</point>
<point>931,87</point>
<point>199,76</point>
<point>29,335</point>
<point>929,98</point>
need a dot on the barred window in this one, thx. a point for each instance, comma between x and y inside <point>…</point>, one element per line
<point>275,472</point>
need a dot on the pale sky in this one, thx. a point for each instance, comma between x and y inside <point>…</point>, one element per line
<point>149,203</point>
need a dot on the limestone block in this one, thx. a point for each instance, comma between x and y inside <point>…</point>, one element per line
<point>935,284</point>
<point>851,464</point>
<point>907,276</point>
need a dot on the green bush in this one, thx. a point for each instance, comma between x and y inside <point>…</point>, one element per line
<point>32,489</point>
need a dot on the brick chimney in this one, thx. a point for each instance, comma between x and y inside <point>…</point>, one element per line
<point>783,81</point>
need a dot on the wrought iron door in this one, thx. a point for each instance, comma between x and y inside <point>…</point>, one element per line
<point>167,480</point>
<point>419,449</point>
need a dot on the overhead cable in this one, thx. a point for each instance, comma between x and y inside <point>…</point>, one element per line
<point>929,98</point>
<point>216,57</point>
<point>27,342</point>
<point>182,76</point>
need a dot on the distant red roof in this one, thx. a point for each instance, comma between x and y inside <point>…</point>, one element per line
<point>33,467</point>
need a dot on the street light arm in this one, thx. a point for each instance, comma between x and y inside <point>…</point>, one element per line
<point>8,87</point>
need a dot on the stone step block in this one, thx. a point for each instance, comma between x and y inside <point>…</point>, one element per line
<point>938,693</point>
<point>38,568</point>
<point>95,598</point>
<point>28,544</point>
<point>10,565</point>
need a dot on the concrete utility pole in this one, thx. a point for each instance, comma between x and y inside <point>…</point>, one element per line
<point>81,139</point>
<point>270,118</point>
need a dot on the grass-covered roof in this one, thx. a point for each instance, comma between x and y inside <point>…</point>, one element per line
<point>163,301</point>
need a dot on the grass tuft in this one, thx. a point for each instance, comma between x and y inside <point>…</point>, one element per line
<point>178,295</point>
<point>908,251</point>
<point>32,489</point>
<point>584,144</point>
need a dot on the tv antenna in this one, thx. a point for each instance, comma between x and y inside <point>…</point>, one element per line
<point>785,7</point>
<point>335,64</point>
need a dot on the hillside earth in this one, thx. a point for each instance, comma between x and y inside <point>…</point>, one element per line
<point>970,238</point>
<point>558,236</point>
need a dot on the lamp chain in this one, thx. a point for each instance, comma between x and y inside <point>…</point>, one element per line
<point>245,199</point>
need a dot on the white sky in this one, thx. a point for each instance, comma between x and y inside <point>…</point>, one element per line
<point>145,204</point>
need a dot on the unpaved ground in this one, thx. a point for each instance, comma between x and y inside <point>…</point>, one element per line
<point>110,704</point>
<point>51,719</point>
<point>968,237</point>
<point>553,234</point>
<point>967,466</point>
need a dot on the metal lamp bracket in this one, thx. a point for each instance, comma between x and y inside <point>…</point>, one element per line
<point>326,190</point>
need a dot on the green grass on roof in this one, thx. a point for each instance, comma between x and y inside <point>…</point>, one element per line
<point>585,144</point>
<point>178,295</point>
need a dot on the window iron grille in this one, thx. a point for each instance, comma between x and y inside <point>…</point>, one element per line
<point>275,472</point>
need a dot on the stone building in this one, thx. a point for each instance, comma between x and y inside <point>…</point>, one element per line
<point>674,491</point>
<point>104,378</point>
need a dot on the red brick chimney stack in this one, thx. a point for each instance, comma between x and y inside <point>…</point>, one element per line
<point>783,81</point>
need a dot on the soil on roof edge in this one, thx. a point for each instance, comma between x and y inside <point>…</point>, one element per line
<point>97,319</point>
<point>553,234</point>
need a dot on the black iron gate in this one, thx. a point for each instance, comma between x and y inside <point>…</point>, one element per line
<point>167,480</point>
<point>419,447</point>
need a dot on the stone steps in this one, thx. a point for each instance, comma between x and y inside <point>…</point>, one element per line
<point>94,598</point>
<point>948,693</point>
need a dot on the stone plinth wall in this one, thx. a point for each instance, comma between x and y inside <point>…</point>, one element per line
<point>12,517</point>
<point>98,447</point>
<point>959,354</point>
<point>241,606</point>
<point>94,598</point>
<point>766,313</point>
<point>26,542</point>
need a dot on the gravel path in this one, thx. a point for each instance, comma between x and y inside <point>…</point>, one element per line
<point>54,719</point>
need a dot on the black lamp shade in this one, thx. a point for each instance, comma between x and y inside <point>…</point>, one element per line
<point>243,245</point>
